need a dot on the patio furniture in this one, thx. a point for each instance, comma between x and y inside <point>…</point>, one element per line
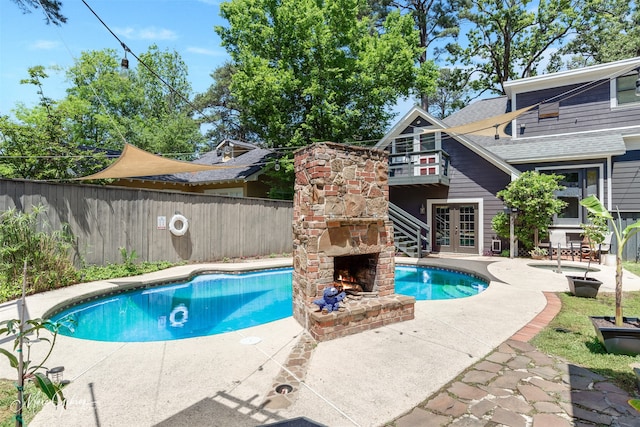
<point>564,242</point>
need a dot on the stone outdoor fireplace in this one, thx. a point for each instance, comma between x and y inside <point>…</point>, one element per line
<point>342,237</point>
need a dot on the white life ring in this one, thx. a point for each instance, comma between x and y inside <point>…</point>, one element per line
<point>178,231</point>
<point>182,313</point>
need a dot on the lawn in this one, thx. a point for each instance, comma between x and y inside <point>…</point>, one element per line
<point>35,400</point>
<point>572,337</point>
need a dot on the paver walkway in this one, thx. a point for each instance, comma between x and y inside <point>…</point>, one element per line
<point>518,386</point>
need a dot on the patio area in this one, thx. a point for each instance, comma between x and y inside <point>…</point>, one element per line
<point>367,379</point>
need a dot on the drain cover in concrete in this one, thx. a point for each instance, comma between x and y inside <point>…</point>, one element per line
<point>250,340</point>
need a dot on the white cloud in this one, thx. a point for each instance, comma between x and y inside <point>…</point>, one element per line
<point>149,33</point>
<point>44,45</point>
<point>205,51</point>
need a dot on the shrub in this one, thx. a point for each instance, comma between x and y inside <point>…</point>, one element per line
<point>45,251</point>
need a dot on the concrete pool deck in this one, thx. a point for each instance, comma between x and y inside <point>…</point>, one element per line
<point>367,379</point>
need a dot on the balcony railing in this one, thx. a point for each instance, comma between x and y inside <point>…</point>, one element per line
<point>419,167</point>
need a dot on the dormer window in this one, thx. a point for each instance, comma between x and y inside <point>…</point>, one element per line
<point>626,90</point>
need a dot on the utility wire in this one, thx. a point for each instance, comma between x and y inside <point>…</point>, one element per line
<point>127,49</point>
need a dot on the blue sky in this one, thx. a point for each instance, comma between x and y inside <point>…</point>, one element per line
<point>186,26</point>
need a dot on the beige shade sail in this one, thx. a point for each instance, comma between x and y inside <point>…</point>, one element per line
<point>490,126</point>
<point>134,162</point>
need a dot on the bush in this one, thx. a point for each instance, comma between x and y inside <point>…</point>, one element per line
<point>533,195</point>
<point>45,251</point>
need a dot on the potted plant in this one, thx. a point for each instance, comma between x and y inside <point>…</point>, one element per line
<point>538,253</point>
<point>594,232</point>
<point>620,335</point>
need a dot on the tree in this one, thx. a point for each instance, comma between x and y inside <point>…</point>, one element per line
<point>108,102</point>
<point>167,125</point>
<point>435,20</point>
<point>51,9</point>
<point>597,209</point>
<point>608,30</point>
<point>221,110</point>
<point>40,145</point>
<point>509,39</point>
<point>532,194</point>
<point>449,95</point>
<point>147,107</point>
<point>316,70</point>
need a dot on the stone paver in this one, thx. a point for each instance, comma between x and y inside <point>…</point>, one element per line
<point>518,386</point>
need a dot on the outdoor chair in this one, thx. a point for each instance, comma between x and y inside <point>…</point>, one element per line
<point>560,240</point>
<point>604,247</point>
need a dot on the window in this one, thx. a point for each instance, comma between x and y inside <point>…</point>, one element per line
<point>626,89</point>
<point>402,146</point>
<point>427,142</point>
<point>579,183</point>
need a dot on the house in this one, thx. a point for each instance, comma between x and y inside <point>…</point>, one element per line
<point>583,124</point>
<point>240,174</point>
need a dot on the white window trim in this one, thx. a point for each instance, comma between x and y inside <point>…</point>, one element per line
<point>585,166</point>
<point>613,96</point>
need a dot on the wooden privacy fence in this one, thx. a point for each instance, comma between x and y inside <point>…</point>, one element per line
<point>105,219</point>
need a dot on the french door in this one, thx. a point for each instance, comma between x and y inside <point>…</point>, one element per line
<point>455,228</point>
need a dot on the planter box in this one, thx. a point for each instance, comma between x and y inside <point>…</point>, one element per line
<point>583,287</point>
<point>618,340</point>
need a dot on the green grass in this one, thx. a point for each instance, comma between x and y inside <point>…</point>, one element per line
<point>572,337</point>
<point>35,400</point>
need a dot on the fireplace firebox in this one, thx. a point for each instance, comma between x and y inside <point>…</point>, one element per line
<point>355,274</point>
<point>342,237</point>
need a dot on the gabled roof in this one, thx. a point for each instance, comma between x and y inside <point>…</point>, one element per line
<point>417,112</point>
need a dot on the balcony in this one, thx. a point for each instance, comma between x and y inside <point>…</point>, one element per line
<point>419,168</point>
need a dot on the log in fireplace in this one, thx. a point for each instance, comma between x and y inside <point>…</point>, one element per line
<point>342,237</point>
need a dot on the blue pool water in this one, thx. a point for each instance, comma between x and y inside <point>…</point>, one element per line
<point>215,303</point>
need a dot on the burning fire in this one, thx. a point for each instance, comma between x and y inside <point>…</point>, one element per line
<point>348,284</point>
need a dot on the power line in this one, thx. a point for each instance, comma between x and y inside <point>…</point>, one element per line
<point>127,49</point>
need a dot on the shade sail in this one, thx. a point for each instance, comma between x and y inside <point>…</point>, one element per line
<point>134,162</point>
<point>485,127</point>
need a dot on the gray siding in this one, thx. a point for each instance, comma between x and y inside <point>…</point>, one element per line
<point>471,177</point>
<point>582,111</point>
<point>625,184</point>
<point>104,219</point>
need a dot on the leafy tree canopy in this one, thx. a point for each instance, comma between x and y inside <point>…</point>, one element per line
<point>221,110</point>
<point>41,144</point>
<point>509,39</point>
<point>608,30</point>
<point>311,70</point>
<point>533,195</point>
<point>104,108</point>
<point>147,107</point>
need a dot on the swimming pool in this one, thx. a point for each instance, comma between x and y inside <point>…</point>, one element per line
<point>214,303</point>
